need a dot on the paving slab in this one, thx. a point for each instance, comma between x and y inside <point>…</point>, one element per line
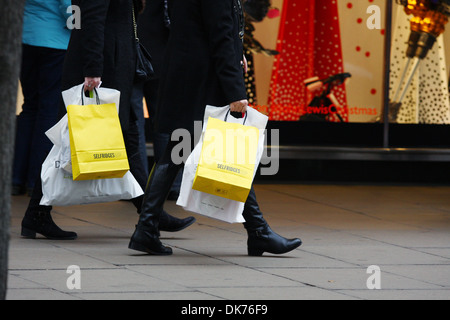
<point>404,230</point>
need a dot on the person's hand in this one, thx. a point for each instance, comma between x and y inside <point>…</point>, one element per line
<point>244,64</point>
<point>239,106</point>
<point>91,83</point>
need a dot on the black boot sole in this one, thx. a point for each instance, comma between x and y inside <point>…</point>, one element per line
<point>31,234</point>
<point>253,252</point>
<point>139,247</point>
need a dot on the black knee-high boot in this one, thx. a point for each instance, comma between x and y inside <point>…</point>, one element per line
<point>167,222</point>
<point>146,235</point>
<point>261,238</point>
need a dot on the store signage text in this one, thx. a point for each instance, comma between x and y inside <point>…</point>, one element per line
<point>323,110</point>
<point>333,110</point>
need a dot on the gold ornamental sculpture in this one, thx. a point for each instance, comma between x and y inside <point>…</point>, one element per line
<point>427,23</point>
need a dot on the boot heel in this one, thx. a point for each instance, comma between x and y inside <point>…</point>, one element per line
<point>255,252</point>
<point>138,247</point>
<point>28,233</point>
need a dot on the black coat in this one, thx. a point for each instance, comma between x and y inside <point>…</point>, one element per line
<point>103,47</point>
<point>153,32</point>
<point>202,63</point>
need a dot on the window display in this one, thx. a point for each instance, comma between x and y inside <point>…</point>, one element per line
<point>364,73</point>
<point>324,61</point>
<point>419,85</point>
<point>322,44</point>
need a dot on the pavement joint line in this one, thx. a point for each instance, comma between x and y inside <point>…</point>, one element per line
<point>173,282</point>
<point>261,271</point>
<point>44,286</point>
<point>367,238</point>
<point>343,208</point>
<point>413,243</point>
<point>392,273</point>
<point>351,210</point>
<point>88,222</point>
<point>398,246</point>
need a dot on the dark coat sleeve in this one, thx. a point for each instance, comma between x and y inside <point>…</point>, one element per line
<point>222,36</point>
<point>93,20</point>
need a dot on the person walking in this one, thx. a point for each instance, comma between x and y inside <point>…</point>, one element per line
<point>45,39</point>
<point>153,30</point>
<point>203,66</point>
<point>102,52</point>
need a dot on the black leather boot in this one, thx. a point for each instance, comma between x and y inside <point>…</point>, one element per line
<point>170,223</point>
<point>146,239</point>
<point>265,239</point>
<point>146,236</point>
<point>41,222</point>
<point>167,222</point>
<point>261,238</point>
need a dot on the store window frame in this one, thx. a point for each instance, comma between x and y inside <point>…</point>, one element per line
<point>371,141</point>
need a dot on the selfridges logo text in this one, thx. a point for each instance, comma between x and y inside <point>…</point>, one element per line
<point>228,168</point>
<point>104,155</point>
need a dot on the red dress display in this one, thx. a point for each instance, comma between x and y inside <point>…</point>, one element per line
<point>309,42</point>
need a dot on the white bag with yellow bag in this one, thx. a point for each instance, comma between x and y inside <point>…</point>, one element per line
<point>58,186</point>
<point>224,178</point>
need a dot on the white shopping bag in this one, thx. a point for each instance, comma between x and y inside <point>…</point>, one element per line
<point>59,135</point>
<point>105,95</point>
<point>59,189</point>
<point>74,96</point>
<point>58,186</point>
<point>210,205</point>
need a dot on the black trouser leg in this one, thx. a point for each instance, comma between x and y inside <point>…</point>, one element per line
<point>38,219</point>
<point>261,238</point>
<point>135,149</point>
<point>146,235</point>
<point>252,214</point>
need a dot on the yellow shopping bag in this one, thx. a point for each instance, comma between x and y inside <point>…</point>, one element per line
<point>228,159</point>
<point>96,142</point>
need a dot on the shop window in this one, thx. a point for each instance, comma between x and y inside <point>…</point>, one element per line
<point>324,61</point>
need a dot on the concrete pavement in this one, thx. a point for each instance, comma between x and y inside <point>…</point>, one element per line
<point>402,230</point>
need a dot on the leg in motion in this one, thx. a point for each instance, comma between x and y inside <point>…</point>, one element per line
<point>38,219</point>
<point>134,150</point>
<point>146,235</point>
<point>261,238</point>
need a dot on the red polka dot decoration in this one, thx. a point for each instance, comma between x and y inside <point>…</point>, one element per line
<point>309,43</point>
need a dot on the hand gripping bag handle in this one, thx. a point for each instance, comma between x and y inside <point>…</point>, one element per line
<point>228,112</point>
<point>96,95</point>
